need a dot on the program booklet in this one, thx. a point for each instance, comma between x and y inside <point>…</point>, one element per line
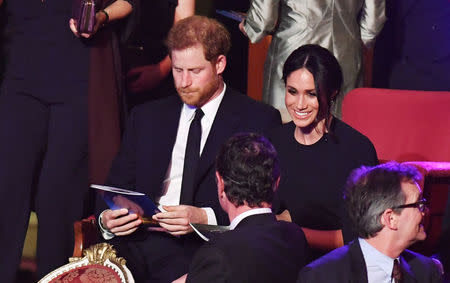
<point>206,231</point>
<point>234,15</point>
<point>135,202</point>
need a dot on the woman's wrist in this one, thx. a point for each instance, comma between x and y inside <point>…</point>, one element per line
<point>106,16</point>
<point>101,19</point>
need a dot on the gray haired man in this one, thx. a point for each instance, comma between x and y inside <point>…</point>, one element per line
<point>386,207</point>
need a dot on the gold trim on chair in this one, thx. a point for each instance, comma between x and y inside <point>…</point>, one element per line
<point>103,254</point>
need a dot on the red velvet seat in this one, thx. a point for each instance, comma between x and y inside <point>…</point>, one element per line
<point>92,261</point>
<point>409,126</point>
<point>99,264</point>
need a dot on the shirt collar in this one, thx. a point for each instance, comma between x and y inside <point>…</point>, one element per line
<point>374,257</point>
<point>247,213</point>
<point>209,109</point>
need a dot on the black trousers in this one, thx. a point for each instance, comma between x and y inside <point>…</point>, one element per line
<point>43,167</point>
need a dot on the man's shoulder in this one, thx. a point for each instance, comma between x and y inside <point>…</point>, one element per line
<point>251,115</point>
<point>332,267</point>
<point>241,100</point>
<point>257,232</point>
<point>420,263</point>
<point>293,230</point>
<point>410,255</point>
<point>158,104</point>
<point>332,258</point>
<point>237,236</point>
<point>156,110</point>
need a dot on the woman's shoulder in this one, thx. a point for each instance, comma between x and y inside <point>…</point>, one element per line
<point>345,132</point>
<point>355,141</point>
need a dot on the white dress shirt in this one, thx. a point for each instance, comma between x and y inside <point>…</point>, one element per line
<point>379,266</point>
<point>172,184</point>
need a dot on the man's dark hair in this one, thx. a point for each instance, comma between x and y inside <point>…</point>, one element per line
<point>372,190</point>
<point>248,164</point>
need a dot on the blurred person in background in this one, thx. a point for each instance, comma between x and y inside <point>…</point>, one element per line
<point>59,122</point>
<point>146,57</point>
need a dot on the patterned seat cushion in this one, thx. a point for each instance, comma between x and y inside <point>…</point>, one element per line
<point>94,273</point>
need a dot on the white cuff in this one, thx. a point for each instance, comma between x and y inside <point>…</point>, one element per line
<point>106,234</point>
<point>211,215</point>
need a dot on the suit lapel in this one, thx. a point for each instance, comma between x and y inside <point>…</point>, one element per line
<point>161,151</point>
<point>408,275</point>
<point>359,270</point>
<point>357,263</point>
<point>224,125</point>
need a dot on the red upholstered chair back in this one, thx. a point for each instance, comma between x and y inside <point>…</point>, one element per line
<point>413,126</point>
<point>403,125</point>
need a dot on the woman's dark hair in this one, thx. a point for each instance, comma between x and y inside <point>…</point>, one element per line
<point>326,71</point>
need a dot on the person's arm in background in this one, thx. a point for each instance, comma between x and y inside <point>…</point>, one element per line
<point>145,78</point>
<point>325,240</point>
<point>372,20</point>
<point>262,18</point>
<point>185,8</point>
<point>117,10</point>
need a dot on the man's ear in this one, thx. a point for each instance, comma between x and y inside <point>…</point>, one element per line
<point>221,63</point>
<point>389,219</point>
<point>220,185</point>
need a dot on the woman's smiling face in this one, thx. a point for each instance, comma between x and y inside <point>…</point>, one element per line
<point>301,98</point>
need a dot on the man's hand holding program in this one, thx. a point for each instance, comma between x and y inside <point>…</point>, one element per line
<point>176,219</point>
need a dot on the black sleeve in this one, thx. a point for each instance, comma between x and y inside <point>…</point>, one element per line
<point>123,169</point>
<point>122,173</point>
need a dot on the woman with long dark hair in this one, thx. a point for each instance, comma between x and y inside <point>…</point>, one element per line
<point>317,151</point>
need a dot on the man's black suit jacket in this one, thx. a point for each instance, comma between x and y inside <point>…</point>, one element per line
<point>259,249</point>
<point>150,135</point>
<point>347,264</point>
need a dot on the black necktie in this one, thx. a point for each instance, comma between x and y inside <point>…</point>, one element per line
<point>397,272</point>
<point>191,157</point>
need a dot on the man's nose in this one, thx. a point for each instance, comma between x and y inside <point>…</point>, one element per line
<point>186,79</point>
